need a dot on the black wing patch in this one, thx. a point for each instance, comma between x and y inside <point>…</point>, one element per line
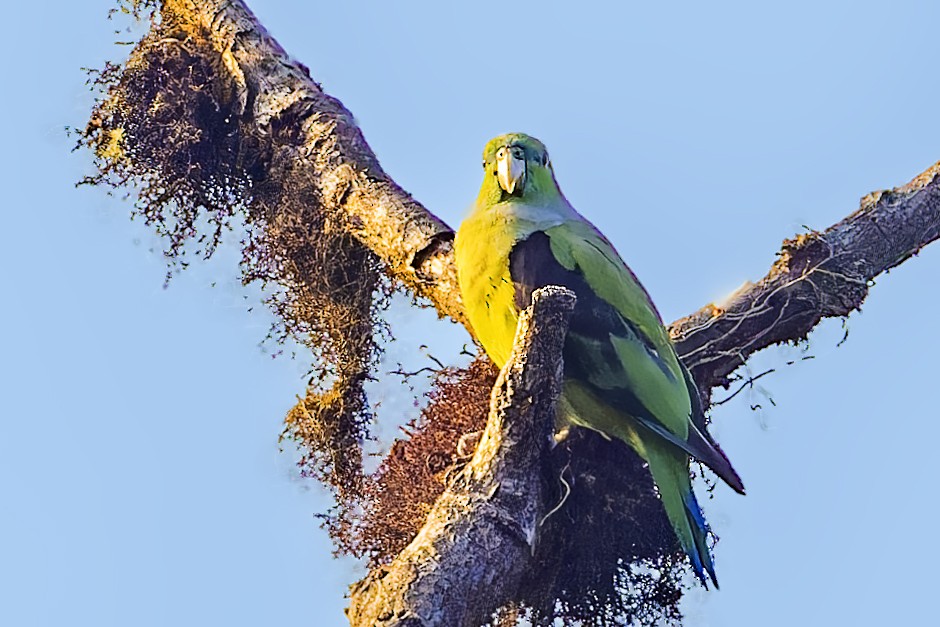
<point>533,265</point>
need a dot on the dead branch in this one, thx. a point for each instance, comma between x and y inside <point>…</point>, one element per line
<point>817,275</point>
<point>470,556</point>
<point>272,95</point>
<point>479,537</point>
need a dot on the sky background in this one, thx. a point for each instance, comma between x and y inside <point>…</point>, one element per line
<point>141,480</point>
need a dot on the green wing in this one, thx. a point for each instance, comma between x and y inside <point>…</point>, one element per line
<point>617,349</point>
<point>642,362</point>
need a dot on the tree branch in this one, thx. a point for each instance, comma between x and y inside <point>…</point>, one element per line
<point>479,537</point>
<point>471,554</point>
<point>274,95</point>
<point>816,276</point>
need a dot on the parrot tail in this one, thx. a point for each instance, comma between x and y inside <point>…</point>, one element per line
<point>700,535</point>
<point>670,470</point>
<point>702,447</point>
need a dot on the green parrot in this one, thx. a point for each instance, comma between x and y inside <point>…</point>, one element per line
<point>622,377</point>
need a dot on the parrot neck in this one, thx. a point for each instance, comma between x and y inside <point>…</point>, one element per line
<point>525,218</point>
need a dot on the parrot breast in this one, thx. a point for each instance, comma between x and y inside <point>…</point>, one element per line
<point>481,249</point>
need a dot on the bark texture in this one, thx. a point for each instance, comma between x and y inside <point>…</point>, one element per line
<point>470,556</point>
<point>272,95</point>
<point>817,275</point>
<point>468,559</point>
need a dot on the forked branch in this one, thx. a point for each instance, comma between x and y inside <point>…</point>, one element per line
<point>286,134</point>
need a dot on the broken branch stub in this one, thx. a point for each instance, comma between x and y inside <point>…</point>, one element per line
<point>471,554</point>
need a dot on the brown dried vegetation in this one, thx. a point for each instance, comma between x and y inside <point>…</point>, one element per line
<point>165,127</point>
<point>607,554</point>
<point>400,493</point>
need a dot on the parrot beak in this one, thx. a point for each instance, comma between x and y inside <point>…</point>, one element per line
<point>510,170</point>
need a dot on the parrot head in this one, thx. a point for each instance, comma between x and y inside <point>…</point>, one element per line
<point>516,165</point>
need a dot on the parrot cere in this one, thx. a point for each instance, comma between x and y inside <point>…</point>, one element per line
<point>622,376</point>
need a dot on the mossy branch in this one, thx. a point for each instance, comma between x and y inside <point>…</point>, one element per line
<point>816,275</point>
<point>273,95</point>
<point>210,117</point>
<point>470,556</point>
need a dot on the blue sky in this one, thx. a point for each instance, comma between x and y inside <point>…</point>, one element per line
<point>141,476</point>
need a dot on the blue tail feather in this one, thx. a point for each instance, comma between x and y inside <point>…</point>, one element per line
<point>699,554</point>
